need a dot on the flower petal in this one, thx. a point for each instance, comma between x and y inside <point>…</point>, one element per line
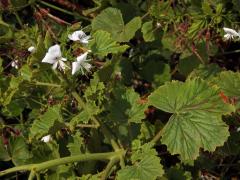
<point>82,57</point>
<point>53,54</point>
<point>84,40</point>
<point>55,65</point>
<point>62,65</point>
<point>77,35</point>
<point>46,138</point>
<point>86,66</point>
<point>32,49</point>
<point>231,31</point>
<point>75,67</point>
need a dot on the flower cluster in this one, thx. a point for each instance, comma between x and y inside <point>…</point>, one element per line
<point>230,34</point>
<point>54,55</point>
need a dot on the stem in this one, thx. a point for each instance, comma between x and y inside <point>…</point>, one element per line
<point>108,168</point>
<point>46,84</point>
<point>157,136</point>
<point>56,8</point>
<point>35,168</point>
<point>31,175</point>
<point>18,19</point>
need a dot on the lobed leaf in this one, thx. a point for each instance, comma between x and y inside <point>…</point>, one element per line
<point>196,120</point>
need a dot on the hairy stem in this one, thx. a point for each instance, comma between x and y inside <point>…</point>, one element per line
<point>35,168</point>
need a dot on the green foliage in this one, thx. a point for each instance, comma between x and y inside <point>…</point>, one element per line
<point>159,97</point>
<point>127,106</point>
<point>196,121</point>
<point>47,123</point>
<point>111,20</point>
<point>102,44</point>
<point>146,165</point>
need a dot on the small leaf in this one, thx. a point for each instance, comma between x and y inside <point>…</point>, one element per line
<point>156,72</point>
<point>148,32</point>
<point>229,83</point>
<point>4,156</point>
<point>102,44</point>
<point>206,72</point>
<point>19,151</point>
<point>127,106</point>
<point>196,120</point>
<point>110,20</point>
<point>146,165</point>
<point>51,120</point>
<point>75,146</point>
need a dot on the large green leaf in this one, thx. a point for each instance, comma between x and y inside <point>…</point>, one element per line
<point>111,20</point>
<point>196,120</point>
<point>50,121</point>
<point>102,44</point>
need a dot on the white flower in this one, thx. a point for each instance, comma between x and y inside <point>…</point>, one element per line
<point>14,64</point>
<point>81,63</point>
<point>46,138</point>
<point>230,34</point>
<point>32,49</point>
<point>54,57</point>
<point>79,36</point>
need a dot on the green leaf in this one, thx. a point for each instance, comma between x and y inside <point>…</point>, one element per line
<point>111,20</point>
<point>148,32</point>
<point>50,121</point>
<point>102,44</point>
<point>188,64</point>
<point>129,30</point>
<point>206,72</point>
<point>206,8</point>
<point>196,120</point>
<point>12,90</point>
<point>75,146</point>
<point>127,106</point>
<point>146,165</point>
<point>148,168</point>
<point>6,32</point>
<point>4,156</point>
<point>44,151</point>
<point>156,72</point>
<point>229,83</point>
<point>26,72</point>
<point>19,151</point>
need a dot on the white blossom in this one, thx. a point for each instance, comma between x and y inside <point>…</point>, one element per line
<point>81,63</point>
<point>230,34</point>
<point>32,49</point>
<point>54,57</point>
<point>79,36</point>
<point>46,138</point>
<point>14,64</point>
